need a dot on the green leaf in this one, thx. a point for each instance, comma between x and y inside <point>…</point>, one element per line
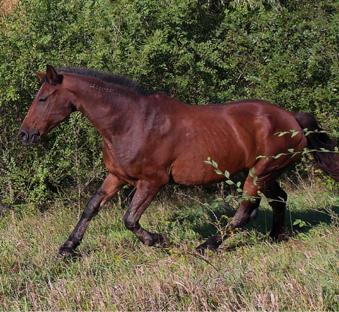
<point>294,133</point>
<point>300,223</point>
<point>251,172</point>
<point>278,155</point>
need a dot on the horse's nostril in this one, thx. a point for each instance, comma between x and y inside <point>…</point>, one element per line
<point>34,137</point>
<point>23,136</point>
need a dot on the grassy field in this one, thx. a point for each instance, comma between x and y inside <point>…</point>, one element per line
<point>116,272</point>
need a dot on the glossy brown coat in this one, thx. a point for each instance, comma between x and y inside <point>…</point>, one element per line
<point>152,139</point>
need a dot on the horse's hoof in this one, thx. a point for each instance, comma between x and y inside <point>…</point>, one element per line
<point>283,237</point>
<point>67,253</point>
<point>279,237</point>
<point>211,244</point>
<point>160,240</point>
<point>201,249</point>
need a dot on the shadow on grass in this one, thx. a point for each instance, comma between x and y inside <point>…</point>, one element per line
<point>262,224</point>
<point>310,217</point>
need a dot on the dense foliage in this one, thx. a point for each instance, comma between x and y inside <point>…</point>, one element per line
<point>199,51</point>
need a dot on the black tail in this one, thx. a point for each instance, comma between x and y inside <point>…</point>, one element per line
<point>327,161</point>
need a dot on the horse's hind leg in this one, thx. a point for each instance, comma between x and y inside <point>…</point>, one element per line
<point>243,215</point>
<point>277,199</point>
<point>145,192</point>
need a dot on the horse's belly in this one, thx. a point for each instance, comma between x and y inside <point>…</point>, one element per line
<point>194,169</point>
<point>191,176</point>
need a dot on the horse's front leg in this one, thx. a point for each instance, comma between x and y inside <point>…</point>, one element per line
<point>145,192</point>
<point>109,187</point>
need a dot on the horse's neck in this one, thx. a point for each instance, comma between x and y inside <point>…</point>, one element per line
<point>111,109</point>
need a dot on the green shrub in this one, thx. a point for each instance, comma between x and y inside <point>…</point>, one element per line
<point>198,51</point>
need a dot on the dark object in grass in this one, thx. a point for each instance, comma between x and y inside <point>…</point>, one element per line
<point>150,139</point>
<point>3,208</point>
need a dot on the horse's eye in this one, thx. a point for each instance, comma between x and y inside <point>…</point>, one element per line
<point>43,99</point>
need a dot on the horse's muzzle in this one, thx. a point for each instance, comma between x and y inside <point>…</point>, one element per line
<point>27,137</point>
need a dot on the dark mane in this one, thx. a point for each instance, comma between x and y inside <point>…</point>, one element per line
<point>106,77</point>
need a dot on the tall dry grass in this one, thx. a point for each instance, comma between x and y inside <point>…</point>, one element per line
<point>116,272</point>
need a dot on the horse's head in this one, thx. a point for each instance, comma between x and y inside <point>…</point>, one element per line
<point>51,105</point>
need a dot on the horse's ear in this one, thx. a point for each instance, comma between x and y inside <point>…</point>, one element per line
<point>40,75</point>
<point>52,76</point>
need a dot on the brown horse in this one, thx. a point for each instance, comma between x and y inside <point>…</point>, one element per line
<point>150,139</point>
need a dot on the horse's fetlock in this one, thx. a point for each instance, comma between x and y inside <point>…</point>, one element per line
<point>130,223</point>
<point>148,241</point>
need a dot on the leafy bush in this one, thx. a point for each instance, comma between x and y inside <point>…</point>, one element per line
<point>198,51</point>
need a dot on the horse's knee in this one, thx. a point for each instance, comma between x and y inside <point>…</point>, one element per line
<point>92,206</point>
